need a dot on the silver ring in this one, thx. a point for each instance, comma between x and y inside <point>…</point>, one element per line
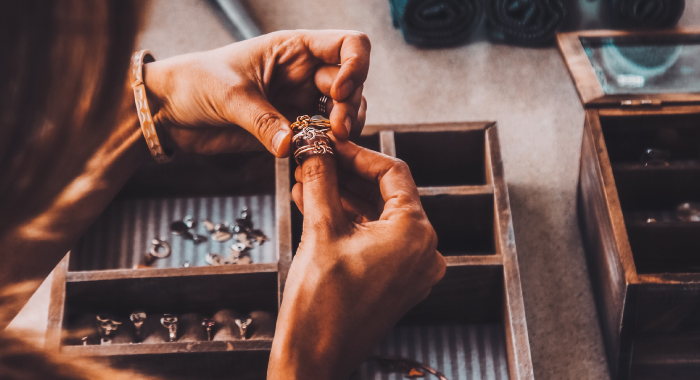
<point>169,321</point>
<point>322,104</point>
<point>243,326</point>
<point>107,327</point>
<point>138,318</point>
<point>209,324</point>
<point>156,245</point>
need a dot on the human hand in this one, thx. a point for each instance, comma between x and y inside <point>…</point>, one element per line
<point>367,255</point>
<point>236,97</point>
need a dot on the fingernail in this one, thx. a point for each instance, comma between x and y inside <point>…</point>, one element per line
<point>348,124</point>
<point>277,141</point>
<point>344,89</point>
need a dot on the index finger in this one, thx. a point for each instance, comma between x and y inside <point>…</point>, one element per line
<point>347,48</point>
<point>396,184</point>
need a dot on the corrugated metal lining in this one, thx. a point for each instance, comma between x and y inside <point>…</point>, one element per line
<point>461,352</point>
<point>122,234</point>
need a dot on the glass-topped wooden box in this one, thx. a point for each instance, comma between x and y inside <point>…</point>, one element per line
<point>639,194</point>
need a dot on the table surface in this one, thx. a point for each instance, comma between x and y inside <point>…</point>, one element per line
<point>540,120</point>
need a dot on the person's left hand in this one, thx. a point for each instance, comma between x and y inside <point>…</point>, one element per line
<point>228,99</point>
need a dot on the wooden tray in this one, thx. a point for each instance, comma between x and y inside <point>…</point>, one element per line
<point>459,172</point>
<point>643,261</point>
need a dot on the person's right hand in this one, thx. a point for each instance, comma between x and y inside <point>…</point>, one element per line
<point>367,255</point>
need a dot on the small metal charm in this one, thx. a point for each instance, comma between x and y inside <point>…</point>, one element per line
<point>107,326</point>
<point>688,212</point>
<point>138,318</point>
<point>208,225</point>
<point>209,324</point>
<point>243,326</point>
<point>160,249</point>
<point>186,264</point>
<point>239,247</point>
<point>169,321</point>
<point>655,157</point>
<point>189,221</point>
<point>178,228</point>
<point>85,340</point>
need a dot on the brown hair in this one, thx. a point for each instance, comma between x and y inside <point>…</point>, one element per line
<point>62,76</point>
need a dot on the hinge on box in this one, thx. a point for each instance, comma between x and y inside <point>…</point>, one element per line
<point>641,103</point>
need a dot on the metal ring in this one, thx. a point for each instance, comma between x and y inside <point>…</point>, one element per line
<point>322,104</point>
<point>243,326</point>
<point>156,245</point>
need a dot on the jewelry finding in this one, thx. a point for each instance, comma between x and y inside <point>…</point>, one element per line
<point>169,321</point>
<point>138,318</point>
<point>655,157</point>
<point>160,249</point>
<point>688,212</point>
<point>322,104</point>
<point>209,324</point>
<point>243,326</point>
<point>185,228</point>
<point>107,326</point>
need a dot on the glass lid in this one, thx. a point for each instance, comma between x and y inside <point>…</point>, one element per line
<point>652,65</point>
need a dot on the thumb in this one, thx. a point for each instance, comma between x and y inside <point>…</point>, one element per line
<point>321,198</point>
<point>267,124</point>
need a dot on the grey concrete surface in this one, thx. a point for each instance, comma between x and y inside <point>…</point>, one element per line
<point>529,93</point>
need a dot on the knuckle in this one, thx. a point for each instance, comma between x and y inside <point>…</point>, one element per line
<point>313,170</point>
<point>265,124</point>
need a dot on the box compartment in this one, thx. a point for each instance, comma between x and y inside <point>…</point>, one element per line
<point>445,158</point>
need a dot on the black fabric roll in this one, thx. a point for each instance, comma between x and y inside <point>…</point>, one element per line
<point>525,22</point>
<point>436,23</point>
<point>647,14</point>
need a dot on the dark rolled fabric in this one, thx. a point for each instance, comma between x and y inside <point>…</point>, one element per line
<point>436,23</point>
<point>525,22</point>
<point>647,14</point>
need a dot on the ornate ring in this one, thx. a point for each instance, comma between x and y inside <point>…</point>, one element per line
<point>209,324</point>
<point>322,104</point>
<point>169,321</point>
<point>138,318</point>
<point>107,327</point>
<point>243,326</point>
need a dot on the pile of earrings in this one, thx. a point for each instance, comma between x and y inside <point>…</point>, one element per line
<point>246,237</point>
<point>309,137</point>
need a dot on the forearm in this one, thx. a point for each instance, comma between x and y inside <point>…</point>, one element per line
<point>31,249</point>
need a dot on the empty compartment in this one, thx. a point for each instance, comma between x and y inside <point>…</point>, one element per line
<point>200,295</point>
<point>628,137</point>
<point>215,188</point>
<point>444,158</point>
<point>466,294</point>
<point>461,321</point>
<point>666,337</point>
<point>464,223</point>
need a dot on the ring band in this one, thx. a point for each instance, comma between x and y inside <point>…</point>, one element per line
<point>322,101</point>
<point>310,137</point>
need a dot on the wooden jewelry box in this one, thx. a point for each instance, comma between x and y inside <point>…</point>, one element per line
<point>640,166</point>
<point>472,324</point>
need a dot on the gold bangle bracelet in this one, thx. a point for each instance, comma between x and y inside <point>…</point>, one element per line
<point>144,112</point>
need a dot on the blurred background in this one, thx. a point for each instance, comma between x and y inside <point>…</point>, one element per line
<point>526,89</point>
